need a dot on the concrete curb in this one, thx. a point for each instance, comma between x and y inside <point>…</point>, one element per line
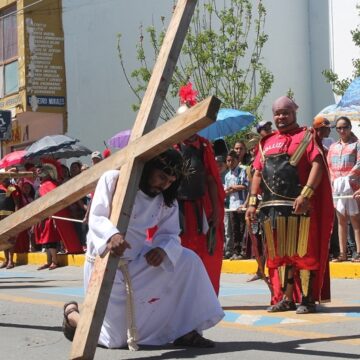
<point>39,258</point>
<point>343,270</point>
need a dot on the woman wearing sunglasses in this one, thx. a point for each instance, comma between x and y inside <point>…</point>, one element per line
<point>344,166</point>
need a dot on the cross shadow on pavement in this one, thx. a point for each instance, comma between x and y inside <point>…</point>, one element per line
<point>34,327</point>
<point>290,347</point>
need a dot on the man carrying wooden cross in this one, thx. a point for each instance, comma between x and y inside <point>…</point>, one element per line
<point>173,298</point>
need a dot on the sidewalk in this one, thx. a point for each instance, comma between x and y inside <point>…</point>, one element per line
<point>344,270</point>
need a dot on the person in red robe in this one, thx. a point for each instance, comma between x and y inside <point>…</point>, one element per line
<point>202,209</point>
<point>24,240</point>
<point>50,231</point>
<point>201,198</point>
<point>10,200</point>
<point>296,211</point>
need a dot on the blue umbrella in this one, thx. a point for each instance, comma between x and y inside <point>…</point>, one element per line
<point>228,122</point>
<point>351,96</point>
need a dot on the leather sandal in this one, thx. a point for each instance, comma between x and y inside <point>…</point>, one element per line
<point>67,329</point>
<point>342,257</point>
<point>194,339</point>
<point>42,267</point>
<point>356,258</point>
<point>283,305</point>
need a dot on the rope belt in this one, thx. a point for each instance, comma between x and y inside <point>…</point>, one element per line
<point>132,336</point>
<point>90,259</point>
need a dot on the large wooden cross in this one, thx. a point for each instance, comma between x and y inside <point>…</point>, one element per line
<point>145,143</point>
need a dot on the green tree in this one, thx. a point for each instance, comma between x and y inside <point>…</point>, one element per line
<point>221,56</point>
<point>340,85</point>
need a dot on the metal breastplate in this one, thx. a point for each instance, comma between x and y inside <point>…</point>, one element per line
<point>193,186</point>
<point>281,186</point>
<point>280,180</point>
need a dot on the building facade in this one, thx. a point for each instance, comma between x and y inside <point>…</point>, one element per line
<point>32,70</point>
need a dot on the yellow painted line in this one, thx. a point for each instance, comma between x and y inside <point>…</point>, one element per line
<point>291,333</point>
<point>343,270</point>
<point>27,300</point>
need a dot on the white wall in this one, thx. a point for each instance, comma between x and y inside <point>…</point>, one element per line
<point>297,52</point>
<point>321,92</point>
<point>345,18</point>
<point>99,100</point>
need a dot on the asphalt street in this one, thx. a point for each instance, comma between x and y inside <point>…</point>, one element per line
<point>31,304</point>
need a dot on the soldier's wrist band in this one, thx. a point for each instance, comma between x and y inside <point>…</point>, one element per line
<point>307,192</point>
<point>253,200</point>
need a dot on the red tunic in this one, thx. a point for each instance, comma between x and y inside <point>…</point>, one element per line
<point>22,239</point>
<point>321,213</point>
<point>53,230</point>
<point>191,239</point>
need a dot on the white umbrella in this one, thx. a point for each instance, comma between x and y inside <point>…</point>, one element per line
<point>348,106</point>
<point>47,145</point>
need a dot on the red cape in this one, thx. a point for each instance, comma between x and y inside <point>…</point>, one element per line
<point>54,229</point>
<point>197,242</point>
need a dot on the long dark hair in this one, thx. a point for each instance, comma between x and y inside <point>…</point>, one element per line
<point>348,122</point>
<point>172,163</point>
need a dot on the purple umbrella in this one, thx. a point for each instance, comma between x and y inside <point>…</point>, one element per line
<point>120,140</point>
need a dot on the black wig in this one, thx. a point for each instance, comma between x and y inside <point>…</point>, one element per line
<point>172,163</point>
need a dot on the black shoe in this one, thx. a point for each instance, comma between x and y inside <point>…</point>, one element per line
<point>195,340</point>
<point>306,308</point>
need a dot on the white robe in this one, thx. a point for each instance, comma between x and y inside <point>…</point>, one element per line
<point>170,300</point>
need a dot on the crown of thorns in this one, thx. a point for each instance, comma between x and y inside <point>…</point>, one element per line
<point>181,170</point>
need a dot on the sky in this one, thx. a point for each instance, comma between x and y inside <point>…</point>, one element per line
<point>345,19</point>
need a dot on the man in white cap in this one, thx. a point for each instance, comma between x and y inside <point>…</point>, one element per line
<point>264,128</point>
<point>96,157</point>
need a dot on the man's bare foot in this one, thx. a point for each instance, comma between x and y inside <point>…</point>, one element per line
<point>71,317</point>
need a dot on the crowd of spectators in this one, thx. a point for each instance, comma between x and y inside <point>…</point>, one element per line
<point>52,235</point>
<point>235,169</point>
